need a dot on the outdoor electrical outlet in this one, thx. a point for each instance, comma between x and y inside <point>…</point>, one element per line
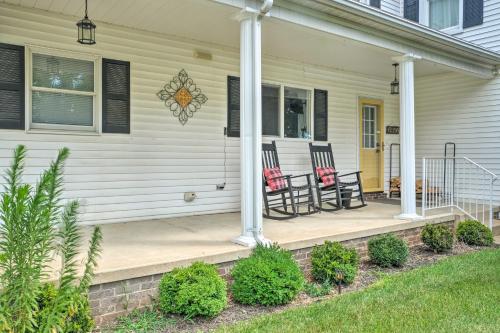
<point>189,196</point>
<point>220,187</point>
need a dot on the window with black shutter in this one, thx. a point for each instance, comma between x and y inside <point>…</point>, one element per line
<point>11,86</point>
<point>320,115</point>
<point>116,96</point>
<point>375,3</point>
<point>233,106</point>
<point>473,13</point>
<point>411,10</point>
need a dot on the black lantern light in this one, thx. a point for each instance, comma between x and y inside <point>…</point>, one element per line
<point>395,83</point>
<point>86,30</point>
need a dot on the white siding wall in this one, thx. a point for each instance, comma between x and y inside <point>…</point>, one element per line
<point>392,6</point>
<point>461,109</point>
<point>144,175</point>
<point>487,34</point>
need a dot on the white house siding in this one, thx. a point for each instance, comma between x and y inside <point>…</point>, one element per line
<point>461,109</point>
<point>144,175</point>
<point>392,6</point>
<point>487,34</point>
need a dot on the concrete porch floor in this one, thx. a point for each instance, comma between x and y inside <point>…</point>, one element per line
<point>136,249</point>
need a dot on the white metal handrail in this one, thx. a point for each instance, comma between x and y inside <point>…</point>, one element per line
<point>458,182</point>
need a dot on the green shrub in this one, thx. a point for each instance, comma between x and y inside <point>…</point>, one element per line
<point>472,232</point>
<point>318,290</point>
<point>78,319</point>
<point>197,290</point>
<point>437,237</point>
<point>36,224</point>
<point>332,257</point>
<point>270,276</point>
<point>388,250</point>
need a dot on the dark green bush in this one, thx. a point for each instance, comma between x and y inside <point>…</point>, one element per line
<point>270,276</point>
<point>330,258</point>
<point>437,237</point>
<point>388,250</point>
<point>78,319</point>
<point>197,290</point>
<point>472,232</point>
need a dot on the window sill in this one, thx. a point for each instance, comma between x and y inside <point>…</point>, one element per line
<point>61,132</point>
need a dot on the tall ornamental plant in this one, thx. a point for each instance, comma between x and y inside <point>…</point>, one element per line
<point>36,229</point>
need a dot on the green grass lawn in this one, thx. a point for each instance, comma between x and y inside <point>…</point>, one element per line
<point>458,294</point>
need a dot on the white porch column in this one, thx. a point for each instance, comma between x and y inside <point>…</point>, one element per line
<point>250,129</point>
<point>407,136</point>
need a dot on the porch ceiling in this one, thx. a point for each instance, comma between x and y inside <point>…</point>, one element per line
<point>211,22</point>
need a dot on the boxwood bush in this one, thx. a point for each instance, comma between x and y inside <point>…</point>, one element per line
<point>197,290</point>
<point>270,276</point>
<point>330,258</point>
<point>438,238</point>
<point>472,232</point>
<point>388,250</point>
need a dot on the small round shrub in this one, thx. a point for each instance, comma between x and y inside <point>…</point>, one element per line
<point>332,257</point>
<point>197,290</point>
<point>270,276</point>
<point>79,316</point>
<point>472,232</point>
<point>437,237</point>
<point>388,250</point>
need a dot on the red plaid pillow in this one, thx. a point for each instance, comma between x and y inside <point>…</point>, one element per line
<point>326,174</point>
<point>273,182</point>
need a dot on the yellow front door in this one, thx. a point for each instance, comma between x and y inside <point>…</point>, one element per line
<point>371,155</point>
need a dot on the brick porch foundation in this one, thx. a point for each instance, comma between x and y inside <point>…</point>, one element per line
<point>110,300</point>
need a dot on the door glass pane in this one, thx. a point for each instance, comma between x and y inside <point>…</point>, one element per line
<point>270,110</point>
<point>63,73</point>
<point>64,109</point>
<point>443,13</point>
<point>297,113</point>
<point>369,121</point>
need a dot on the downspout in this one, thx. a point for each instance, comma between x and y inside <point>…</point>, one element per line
<point>257,226</point>
<point>266,6</point>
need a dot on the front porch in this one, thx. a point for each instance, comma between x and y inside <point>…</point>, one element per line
<point>137,249</point>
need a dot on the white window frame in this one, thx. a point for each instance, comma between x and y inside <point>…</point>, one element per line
<point>424,9</point>
<point>60,128</point>
<point>310,101</point>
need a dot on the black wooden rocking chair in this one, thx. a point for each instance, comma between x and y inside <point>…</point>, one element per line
<point>283,201</point>
<point>340,193</point>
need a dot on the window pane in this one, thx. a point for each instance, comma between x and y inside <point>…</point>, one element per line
<point>443,13</point>
<point>63,73</point>
<point>63,109</point>
<point>270,110</point>
<point>297,113</point>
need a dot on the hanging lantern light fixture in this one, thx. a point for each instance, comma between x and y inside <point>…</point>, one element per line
<point>395,83</point>
<point>86,29</point>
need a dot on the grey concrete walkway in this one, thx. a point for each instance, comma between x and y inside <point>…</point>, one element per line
<point>142,248</point>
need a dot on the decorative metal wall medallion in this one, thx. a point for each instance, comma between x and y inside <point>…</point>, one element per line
<point>182,96</point>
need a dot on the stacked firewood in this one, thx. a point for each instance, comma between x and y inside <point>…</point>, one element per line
<point>395,185</point>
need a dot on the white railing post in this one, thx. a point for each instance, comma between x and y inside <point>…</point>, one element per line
<point>467,187</point>
<point>424,186</point>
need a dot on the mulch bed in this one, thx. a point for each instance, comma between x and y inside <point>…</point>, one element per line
<point>368,274</point>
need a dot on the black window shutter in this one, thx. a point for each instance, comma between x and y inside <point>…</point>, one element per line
<point>375,3</point>
<point>11,86</point>
<point>320,115</point>
<point>115,96</point>
<point>233,106</point>
<point>411,10</point>
<point>473,13</point>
